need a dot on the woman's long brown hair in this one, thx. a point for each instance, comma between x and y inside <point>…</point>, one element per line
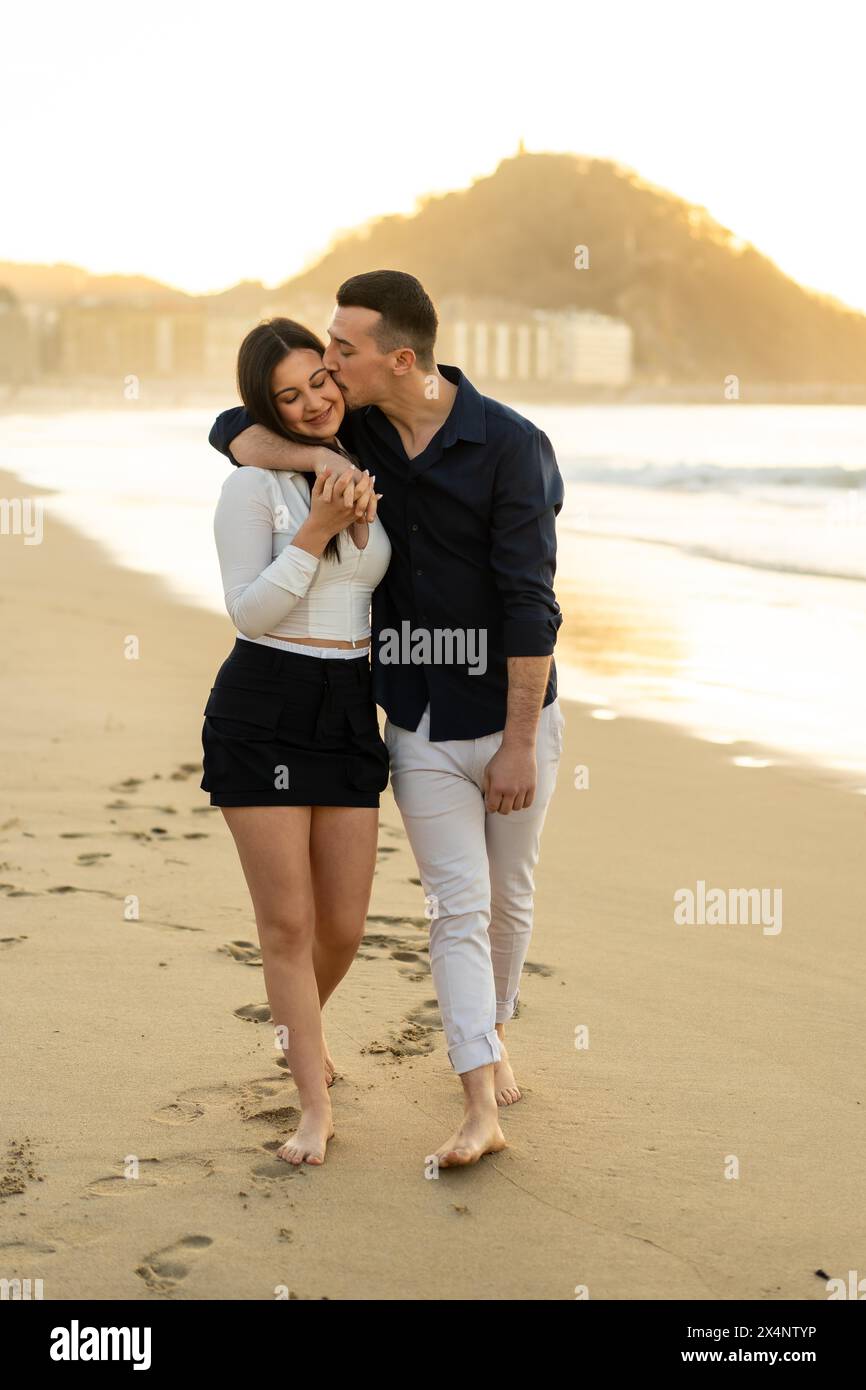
<point>261,350</point>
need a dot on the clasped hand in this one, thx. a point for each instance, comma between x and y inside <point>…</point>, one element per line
<point>342,495</point>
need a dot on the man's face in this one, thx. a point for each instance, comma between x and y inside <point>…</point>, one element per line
<point>359,369</point>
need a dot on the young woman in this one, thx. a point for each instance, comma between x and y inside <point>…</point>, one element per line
<point>292,751</point>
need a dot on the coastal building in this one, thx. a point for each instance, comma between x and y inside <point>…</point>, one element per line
<point>498,342</point>
<point>18,341</point>
<point>118,340</point>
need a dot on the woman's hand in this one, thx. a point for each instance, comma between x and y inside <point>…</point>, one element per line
<point>364,498</point>
<point>332,502</point>
<point>332,509</point>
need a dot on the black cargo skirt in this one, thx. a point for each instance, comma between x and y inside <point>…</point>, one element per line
<point>285,729</point>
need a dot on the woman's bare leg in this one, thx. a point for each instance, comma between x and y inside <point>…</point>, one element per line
<point>273,843</point>
<point>343,859</point>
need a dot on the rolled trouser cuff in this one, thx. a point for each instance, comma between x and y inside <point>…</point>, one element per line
<point>477,1052</point>
<point>505,1008</point>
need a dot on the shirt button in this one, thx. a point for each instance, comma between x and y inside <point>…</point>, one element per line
<point>414,526</point>
<point>419,571</point>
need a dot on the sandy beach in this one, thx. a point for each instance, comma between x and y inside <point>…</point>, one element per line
<point>143,1098</point>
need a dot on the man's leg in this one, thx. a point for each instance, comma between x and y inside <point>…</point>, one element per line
<point>443,812</point>
<point>513,843</point>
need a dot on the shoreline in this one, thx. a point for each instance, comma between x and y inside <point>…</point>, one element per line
<point>50,397</point>
<point>154,1100</point>
<point>575,678</point>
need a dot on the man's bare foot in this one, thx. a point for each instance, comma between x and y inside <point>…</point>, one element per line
<point>308,1143</point>
<point>479,1134</point>
<point>504,1084</point>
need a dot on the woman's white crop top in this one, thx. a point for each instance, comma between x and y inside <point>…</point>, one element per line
<point>272,586</point>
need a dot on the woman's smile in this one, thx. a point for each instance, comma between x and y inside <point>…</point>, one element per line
<point>321,419</point>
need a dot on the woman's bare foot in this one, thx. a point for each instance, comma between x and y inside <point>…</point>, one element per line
<point>504,1084</point>
<point>479,1134</point>
<point>308,1143</point>
<point>330,1068</point>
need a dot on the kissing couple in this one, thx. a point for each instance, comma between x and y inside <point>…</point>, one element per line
<point>370,477</point>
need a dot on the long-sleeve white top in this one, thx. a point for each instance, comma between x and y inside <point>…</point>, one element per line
<point>272,586</point>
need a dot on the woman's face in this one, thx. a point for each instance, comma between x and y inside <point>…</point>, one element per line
<point>305,395</point>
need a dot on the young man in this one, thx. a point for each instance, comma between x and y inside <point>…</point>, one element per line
<point>470,490</point>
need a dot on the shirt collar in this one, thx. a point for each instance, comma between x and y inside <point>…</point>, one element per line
<point>466,419</point>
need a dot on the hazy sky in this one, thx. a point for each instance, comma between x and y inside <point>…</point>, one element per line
<point>207,143</point>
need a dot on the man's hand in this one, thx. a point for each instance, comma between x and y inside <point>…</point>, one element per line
<point>511,775</point>
<point>510,778</point>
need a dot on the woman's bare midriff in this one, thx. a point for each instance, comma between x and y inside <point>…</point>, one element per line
<point>322,641</point>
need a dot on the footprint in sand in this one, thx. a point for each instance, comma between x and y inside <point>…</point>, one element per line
<point>262,1099</point>
<point>178,1113</point>
<point>415,1037</point>
<point>277,1116</point>
<point>418,968</point>
<point>254,1013</point>
<point>164,1269</point>
<point>92,857</point>
<point>277,1170</point>
<point>533,968</point>
<point>246,1095</point>
<point>185,770</point>
<point>393,943</point>
<point>27,1247</point>
<point>153,1172</point>
<point>247,952</point>
<point>427,1015</point>
<point>18,1168</point>
<point>421,922</point>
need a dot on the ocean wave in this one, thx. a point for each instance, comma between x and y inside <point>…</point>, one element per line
<point>709,477</point>
<point>778,564</point>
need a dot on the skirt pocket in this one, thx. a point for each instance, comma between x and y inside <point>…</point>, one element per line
<point>239,740</point>
<point>244,713</point>
<point>368,766</point>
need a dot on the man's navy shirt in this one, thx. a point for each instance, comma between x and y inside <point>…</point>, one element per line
<point>471,522</point>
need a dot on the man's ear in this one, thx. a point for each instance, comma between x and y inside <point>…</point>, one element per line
<point>404,361</point>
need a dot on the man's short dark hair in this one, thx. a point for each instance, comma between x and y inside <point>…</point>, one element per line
<point>408,316</point>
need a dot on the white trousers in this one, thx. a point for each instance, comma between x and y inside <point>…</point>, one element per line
<point>476,869</point>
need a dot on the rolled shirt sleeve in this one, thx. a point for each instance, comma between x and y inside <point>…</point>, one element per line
<point>226,427</point>
<point>527,495</point>
<point>259,590</point>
